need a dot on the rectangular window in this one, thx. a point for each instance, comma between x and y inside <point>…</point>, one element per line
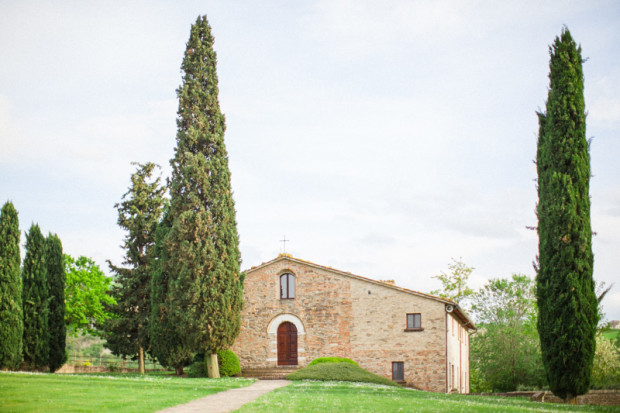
<point>414,321</point>
<point>398,371</point>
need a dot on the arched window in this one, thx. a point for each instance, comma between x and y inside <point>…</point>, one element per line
<point>287,286</point>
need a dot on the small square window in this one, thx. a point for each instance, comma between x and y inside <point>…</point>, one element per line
<point>414,321</point>
<point>398,371</point>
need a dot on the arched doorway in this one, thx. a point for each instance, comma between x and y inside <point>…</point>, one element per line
<point>287,344</point>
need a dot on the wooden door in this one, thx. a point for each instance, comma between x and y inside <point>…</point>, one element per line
<point>287,344</point>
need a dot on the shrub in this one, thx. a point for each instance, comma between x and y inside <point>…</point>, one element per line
<point>115,367</point>
<point>197,369</point>
<point>331,360</point>
<point>228,363</point>
<point>606,367</point>
<point>339,371</point>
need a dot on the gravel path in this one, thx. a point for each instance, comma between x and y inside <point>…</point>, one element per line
<point>229,400</point>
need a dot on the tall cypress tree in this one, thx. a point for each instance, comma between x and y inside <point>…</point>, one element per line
<point>35,301</point>
<point>565,288</point>
<point>203,245</point>
<point>127,333</point>
<point>56,279</point>
<point>11,322</point>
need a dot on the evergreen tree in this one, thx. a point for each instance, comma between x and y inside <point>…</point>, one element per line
<point>202,244</point>
<point>565,288</point>
<point>56,288</point>
<point>168,342</point>
<point>35,301</point>
<point>127,332</point>
<point>11,322</point>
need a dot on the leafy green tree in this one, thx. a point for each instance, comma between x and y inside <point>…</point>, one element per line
<point>35,299</point>
<point>567,304</point>
<point>202,244</point>
<point>127,333</point>
<point>56,289</point>
<point>454,284</point>
<point>606,366</point>
<point>168,343</point>
<point>11,315</point>
<point>505,351</point>
<point>87,293</point>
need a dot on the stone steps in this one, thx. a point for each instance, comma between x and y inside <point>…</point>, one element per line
<point>273,373</point>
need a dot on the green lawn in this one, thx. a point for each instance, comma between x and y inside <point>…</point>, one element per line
<point>23,392</point>
<point>310,396</point>
<point>612,334</point>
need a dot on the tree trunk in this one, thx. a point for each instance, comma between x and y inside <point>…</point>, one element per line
<point>213,370</point>
<point>571,399</point>
<point>178,370</point>
<point>141,359</point>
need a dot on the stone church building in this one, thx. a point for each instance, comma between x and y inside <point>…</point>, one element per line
<point>296,311</point>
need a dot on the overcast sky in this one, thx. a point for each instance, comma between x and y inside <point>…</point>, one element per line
<point>380,137</point>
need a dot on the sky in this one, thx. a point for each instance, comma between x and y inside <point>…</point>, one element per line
<point>380,138</point>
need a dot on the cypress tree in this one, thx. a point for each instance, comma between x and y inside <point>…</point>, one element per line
<point>56,288</point>
<point>11,322</point>
<point>35,301</point>
<point>202,244</point>
<point>565,288</point>
<point>127,332</point>
<point>168,341</point>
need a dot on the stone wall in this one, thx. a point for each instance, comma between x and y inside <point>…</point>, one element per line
<point>70,369</point>
<point>379,335</point>
<point>322,303</point>
<point>593,397</point>
<point>344,316</point>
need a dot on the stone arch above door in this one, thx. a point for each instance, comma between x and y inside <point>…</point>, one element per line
<point>272,328</point>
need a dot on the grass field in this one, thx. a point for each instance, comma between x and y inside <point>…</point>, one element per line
<point>612,334</point>
<point>308,396</point>
<point>22,392</point>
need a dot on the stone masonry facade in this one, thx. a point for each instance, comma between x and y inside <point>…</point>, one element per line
<point>338,314</point>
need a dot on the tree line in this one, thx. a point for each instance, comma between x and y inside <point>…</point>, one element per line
<point>32,297</point>
<point>505,350</point>
<point>178,292</point>
<point>46,297</point>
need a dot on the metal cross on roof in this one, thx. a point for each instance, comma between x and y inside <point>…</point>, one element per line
<point>284,241</point>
